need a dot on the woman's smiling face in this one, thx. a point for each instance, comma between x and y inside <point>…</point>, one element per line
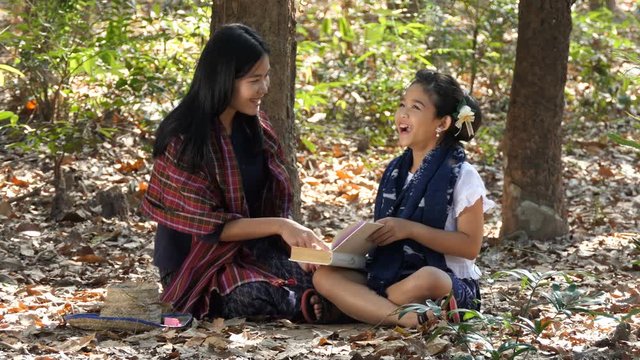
<point>250,89</point>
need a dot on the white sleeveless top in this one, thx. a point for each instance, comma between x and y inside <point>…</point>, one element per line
<point>469,188</point>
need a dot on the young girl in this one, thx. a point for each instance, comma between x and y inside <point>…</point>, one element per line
<point>431,202</point>
<point>220,192</point>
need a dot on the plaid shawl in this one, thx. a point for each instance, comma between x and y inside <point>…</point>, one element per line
<point>200,204</point>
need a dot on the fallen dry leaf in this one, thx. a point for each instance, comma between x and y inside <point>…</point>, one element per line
<point>31,291</point>
<point>363,336</point>
<point>437,345</point>
<point>18,308</point>
<point>216,342</point>
<point>343,175</point>
<point>605,172</point>
<point>91,259</point>
<point>126,167</point>
<point>337,151</point>
<point>17,182</point>
<point>142,187</point>
<point>311,181</point>
<point>76,343</point>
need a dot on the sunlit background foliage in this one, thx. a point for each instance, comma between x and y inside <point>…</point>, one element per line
<point>91,66</point>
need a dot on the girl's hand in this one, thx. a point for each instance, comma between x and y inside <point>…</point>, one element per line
<point>394,229</point>
<point>295,234</point>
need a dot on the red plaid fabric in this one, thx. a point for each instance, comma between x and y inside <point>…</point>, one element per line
<point>199,204</point>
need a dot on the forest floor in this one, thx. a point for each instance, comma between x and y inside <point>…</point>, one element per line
<point>52,268</point>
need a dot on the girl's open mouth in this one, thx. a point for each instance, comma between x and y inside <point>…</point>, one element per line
<point>404,128</point>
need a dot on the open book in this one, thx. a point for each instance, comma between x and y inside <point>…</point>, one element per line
<point>348,248</point>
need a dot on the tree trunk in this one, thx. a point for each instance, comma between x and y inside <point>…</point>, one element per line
<point>274,20</point>
<point>533,199</point>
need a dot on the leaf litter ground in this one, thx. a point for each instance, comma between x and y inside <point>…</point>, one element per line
<point>49,269</point>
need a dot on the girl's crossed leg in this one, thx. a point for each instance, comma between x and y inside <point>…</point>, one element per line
<point>347,290</point>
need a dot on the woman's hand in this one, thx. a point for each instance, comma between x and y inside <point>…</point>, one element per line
<point>394,229</point>
<point>295,234</point>
<point>306,267</point>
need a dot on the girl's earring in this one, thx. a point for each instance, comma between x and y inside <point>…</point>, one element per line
<point>438,131</point>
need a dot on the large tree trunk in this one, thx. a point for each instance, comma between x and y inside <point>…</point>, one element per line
<point>533,199</point>
<point>275,22</point>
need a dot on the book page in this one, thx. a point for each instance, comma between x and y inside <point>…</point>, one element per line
<point>353,239</point>
<point>345,233</point>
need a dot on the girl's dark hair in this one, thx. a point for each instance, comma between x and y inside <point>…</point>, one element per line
<point>447,96</point>
<point>229,54</point>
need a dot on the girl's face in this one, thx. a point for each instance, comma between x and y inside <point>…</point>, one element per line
<point>249,89</point>
<point>416,120</point>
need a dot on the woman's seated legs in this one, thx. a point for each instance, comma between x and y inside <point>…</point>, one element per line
<point>275,260</point>
<point>258,299</point>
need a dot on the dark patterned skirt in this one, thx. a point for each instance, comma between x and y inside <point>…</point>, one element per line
<point>466,291</point>
<point>262,299</point>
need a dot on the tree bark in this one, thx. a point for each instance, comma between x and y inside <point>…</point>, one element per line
<point>533,200</point>
<point>274,20</point>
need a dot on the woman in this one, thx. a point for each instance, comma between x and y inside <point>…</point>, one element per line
<point>431,202</point>
<point>220,192</point>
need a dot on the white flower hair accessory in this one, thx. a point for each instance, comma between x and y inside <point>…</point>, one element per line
<point>465,117</point>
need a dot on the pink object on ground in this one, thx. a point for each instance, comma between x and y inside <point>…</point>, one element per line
<point>169,321</point>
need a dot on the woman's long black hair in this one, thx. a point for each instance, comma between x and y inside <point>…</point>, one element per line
<point>229,54</point>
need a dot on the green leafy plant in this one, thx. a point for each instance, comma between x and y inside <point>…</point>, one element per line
<point>603,91</point>
<point>90,64</point>
<point>535,327</point>
<point>55,43</point>
<point>10,69</point>
<point>635,125</point>
<point>476,328</point>
<point>8,115</point>
<point>382,45</point>
<point>492,336</point>
<point>529,280</point>
<point>623,141</point>
<point>570,299</point>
